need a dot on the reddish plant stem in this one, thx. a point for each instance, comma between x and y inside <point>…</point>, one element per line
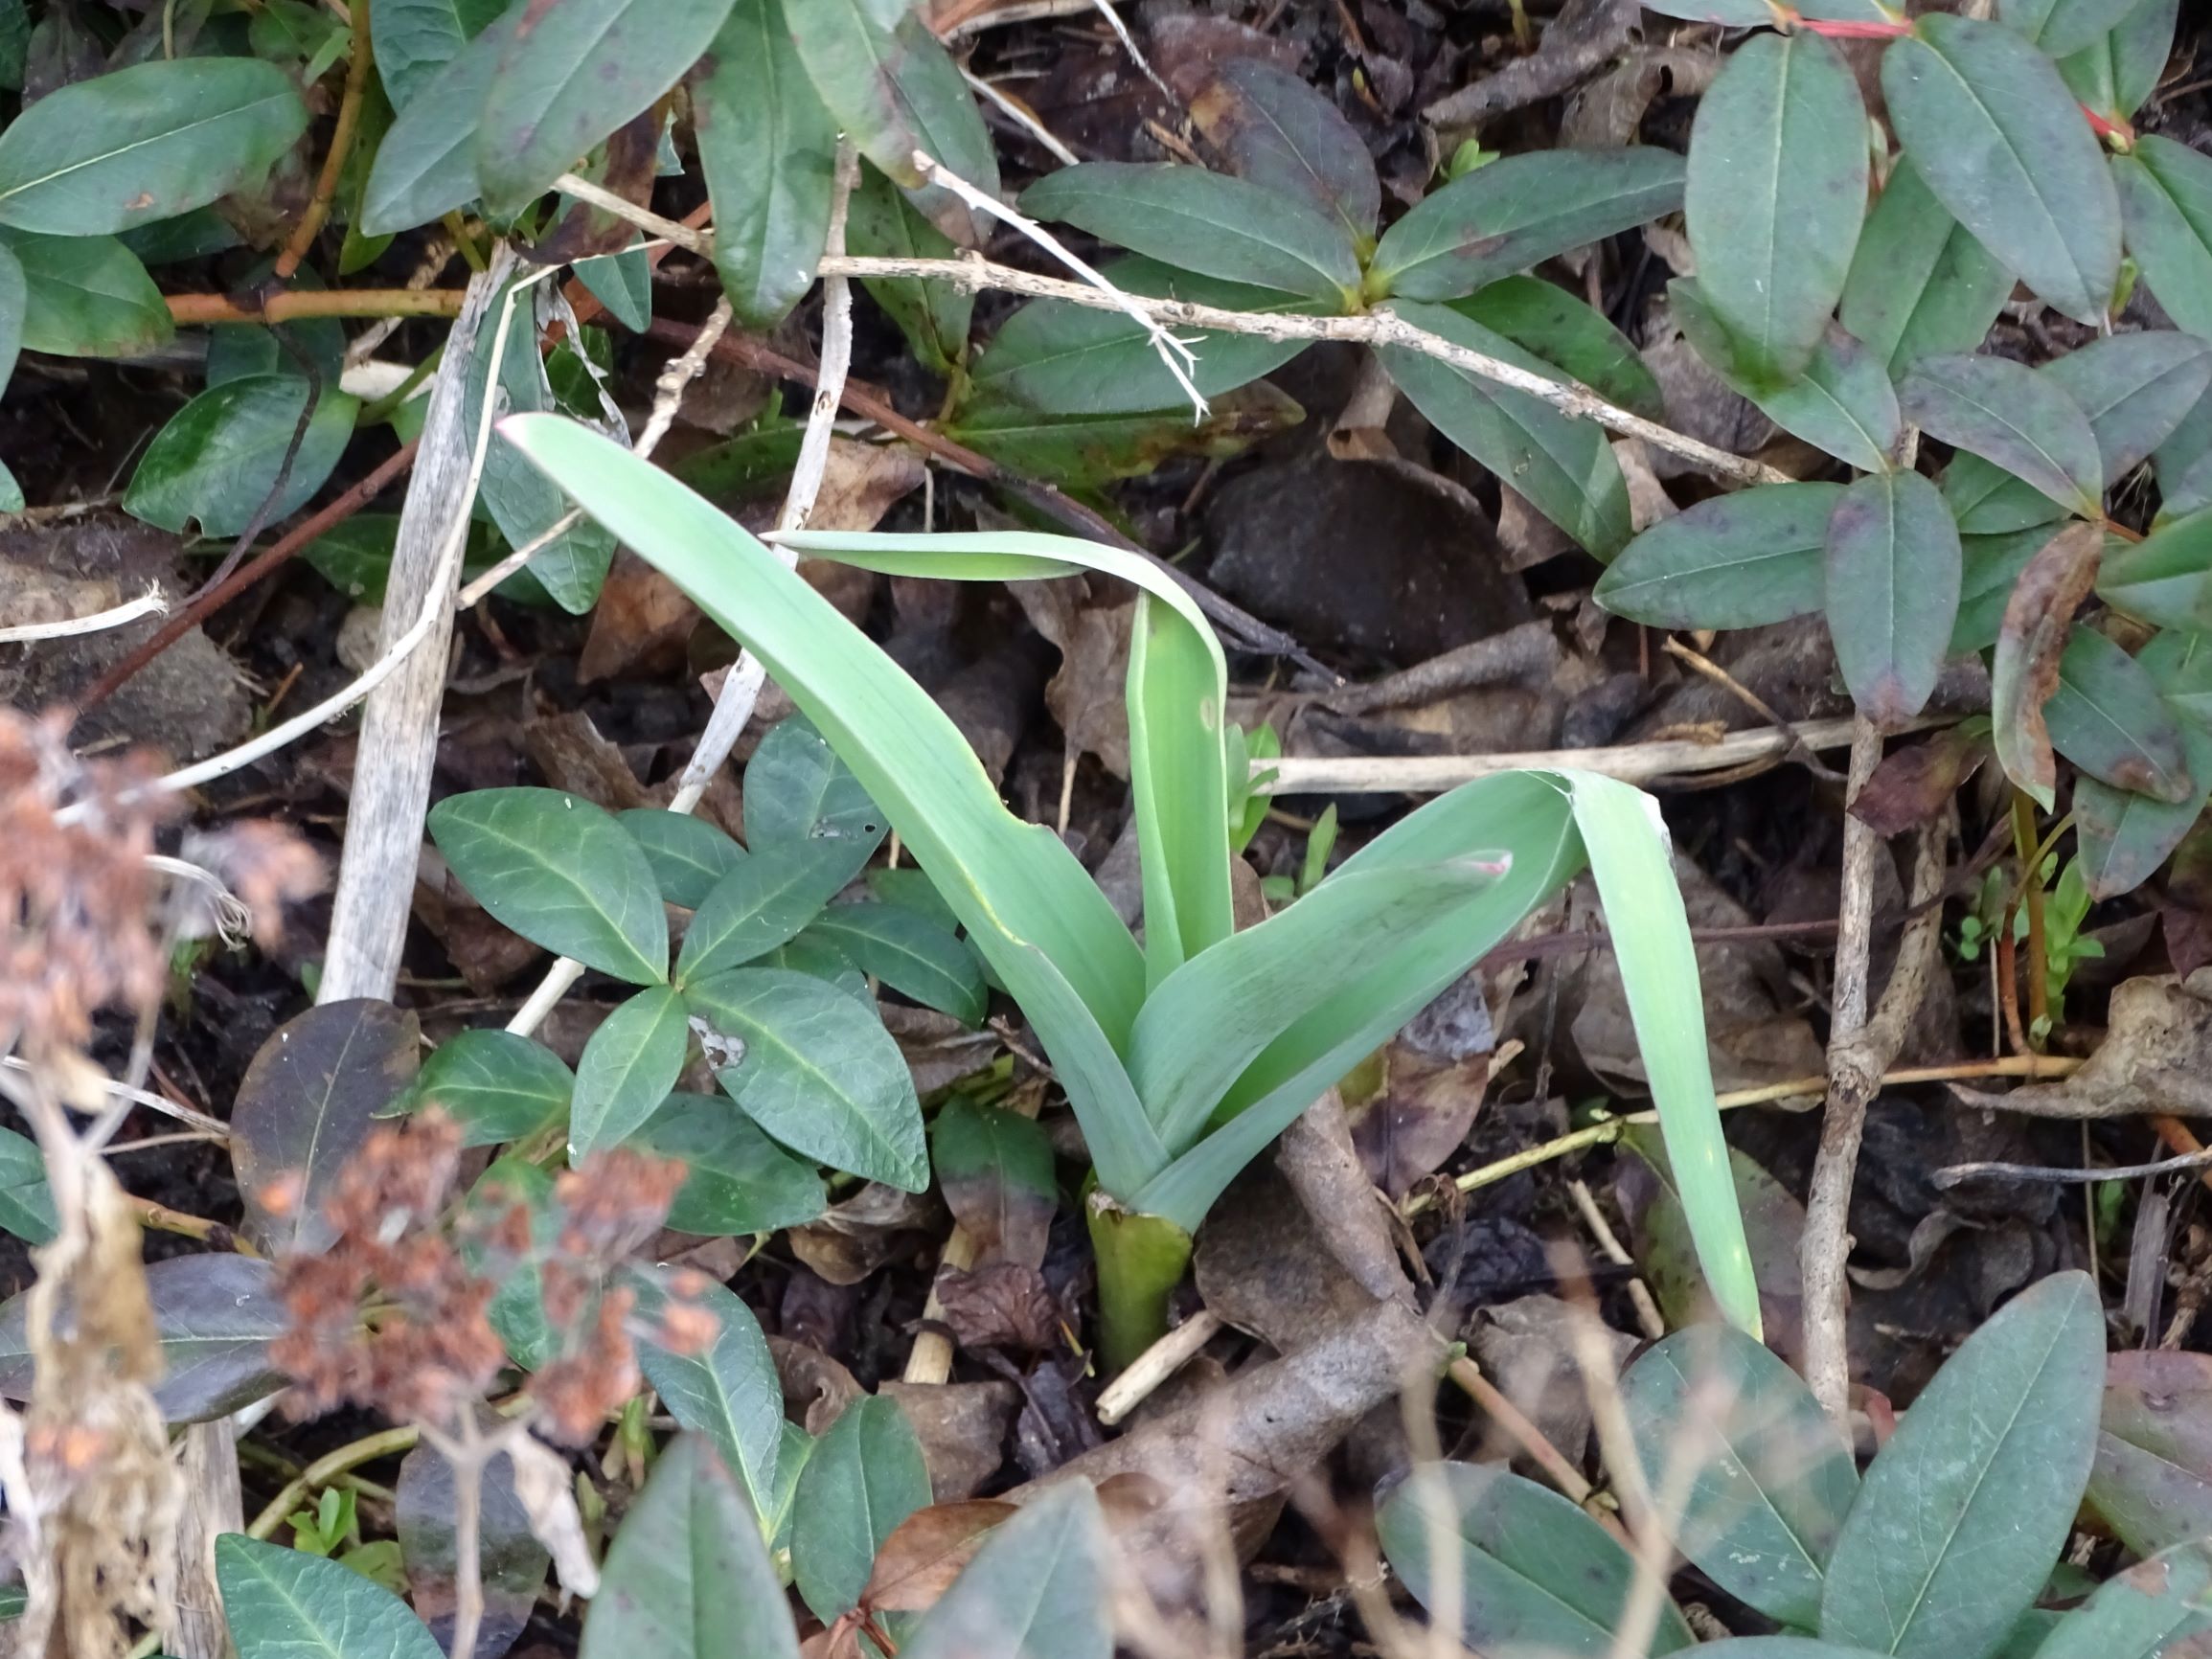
<point>191,309</point>
<point>279,551</point>
<point>310,223</point>
<point>1835,30</point>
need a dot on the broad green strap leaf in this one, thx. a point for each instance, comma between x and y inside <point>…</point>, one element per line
<point>2161,578</point>
<point>627,1070</point>
<point>910,953</point>
<point>1776,193</point>
<point>726,1392</point>
<point>1517,211</point>
<point>1994,130</point>
<point>1564,467</point>
<point>1036,1589</point>
<point>146,142</point>
<point>1285,135</point>
<point>1775,1480</point>
<point>2124,836</point>
<point>426,166</point>
<point>766,899</point>
<point>1204,222</point>
<point>1527,1570</point>
<point>2114,76</point>
<point>864,1476</point>
<point>2062,28</point>
<point>413,39</point>
<point>496,1086</point>
<point>560,872</point>
<point>2158,1606</point>
<point>283,1603</point>
<point>579,70</point>
<point>687,856</point>
<point>216,462</point>
<point>817,1071</point>
<point>736,1181</point>
<point>2014,417</point>
<point>1741,560</point>
<point>1216,1016</point>
<point>86,297</point>
<point>1920,281</point>
<point>2166,192</point>
<point>1842,402</point>
<point>1543,319</point>
<point>1072,360</point>
<point>2136,389</point>
<point>1893,567</point>
<point>1178,690</point>
<point>890,85</point>
<point>1963,1511</point>
<point>687,1575</point>
<point>2108,718</point>
<point>769,153</point>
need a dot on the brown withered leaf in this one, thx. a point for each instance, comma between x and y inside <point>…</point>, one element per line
<point>584,230</point>
<point>862,482</point>
<point>568,750</point>
<point>2157,1057</point>
<point>1001,1305</point>
<point>851,1240</point>
<point>926,1551</point>
<point>1265,1268</point>
<point>962,1428</point>
<point>814,1385</point>
<point>640,624</point>
<point>2025,672</point>
<point>1433,1073</point>
<point>487,953</point>
<point>1913,784</point>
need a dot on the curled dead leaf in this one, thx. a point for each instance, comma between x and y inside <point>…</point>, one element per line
<point>2033,637</point>
<point>926,1552</point>
<point>1915,782</point>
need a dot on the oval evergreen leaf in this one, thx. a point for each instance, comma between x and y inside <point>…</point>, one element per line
<point>86,297</point>
<point>1843,402</point>
<point>1776,194</point>
<point>911,954</point>
<point>818,1072</point>
<point>2114,76</point>
<point>2124,836</point>
<point>726,1393</point>
<point>1286,136</point>
<point>2108,718</point>
<point>2136,389</point>
<point>1741,560</point>
<point>1920,282</point>
<point>413,39</point>
<point>864,1476</point>
<point>2011,416</point>
<point>1994,130</point>
<point>283,1604</point>
<point>2161,578</point>
<point>560,872</point>
<point>2062,28</point>
<point>1543,319</point>
<point>496,1085</point>
<point>144,142</point>
<point>1963,1511</point>
<point>736,1181</point>
<point>1036,1589</point>
<point>427,165</point>
<point>1892,581</point>
<point>687,855</point>
<point>2166,193</point>
<point>627,1070</point>
<point>216,462</point>
<point>765,899</point>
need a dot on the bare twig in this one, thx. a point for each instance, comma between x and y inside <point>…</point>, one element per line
<point>1952,1174</point>
<point>150,603</point>
<point>193,310</point>
<point>1153,1367</point>
<point>1021,117</point>
<point>348,123</point>
<point>1647,1319</point>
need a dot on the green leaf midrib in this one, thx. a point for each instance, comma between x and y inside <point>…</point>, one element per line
<point>233,113</point>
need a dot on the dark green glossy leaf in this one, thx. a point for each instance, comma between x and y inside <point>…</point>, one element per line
<point>496,1085</point>
<point>516,1312</point>
<point>1776,194</point>
<point>728,1391</point>
<point>579,70</point>
<point>687,855</point>
<point>1964,1511</point>
<point>1741,560</point>
<point>13,290</point>
<point>1987,500</point>
<point>818,1072</point>
<point>770,153</point>
<point>818,959</point>
<point>2062,28</point>
<point>2185,464</point>
<point>622,282</point>
<point>1038,1589</point>
<point>2136,389</point>
<point>1892,592</point>
<point>1729,13</point>
<point>2113,76</point>
<point>1543,319</point>
<point>1842,402</point>
<point>26,1200</point>
<point>1517,211</point>
<point>764,900</point>
<point>426,166</point>
<point>218,457</point>
<point>736,1181</point>
<point>2155,1607</point>
<point>798,789</point>
<point>627,1070</point>
<point>1994,130</point>
<point>146,142</point>
<point>2166,192</point>
<point>1772,1494</point>
<point>86,297</point>
<point>560,872</point>
<point>865,1475</point>
<point>688,1575</point>
<point>2011,417</point>
<point>1920,282</point>
<point>1989,566</point>
<point>413,39</point>
<point>1076,451</point>
<point>996,1170</point>
<point>2151,1484</point>
<point>909,953</point>
<point>1205,222</point>
<point>2161,578</point>
<point>284,1603</point>
<point>1533,1572</point>
<point>304,1108</point>
<point>1072,360</point>
<point>510,1561</point>
<point>1276,130</point>
<point>1565,467</point>
<point>894,89</point>
<point>2124,836</point>
<point>2107,718</point>
<point>881,222</point>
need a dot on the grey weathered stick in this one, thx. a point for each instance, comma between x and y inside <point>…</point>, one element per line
<point>399,727</point>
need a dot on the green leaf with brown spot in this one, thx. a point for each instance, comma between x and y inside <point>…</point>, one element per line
<point>2108,718</point>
